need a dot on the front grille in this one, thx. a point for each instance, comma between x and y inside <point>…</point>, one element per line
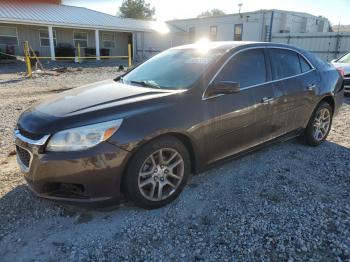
<point>29,134</point>
<point>24,156</point>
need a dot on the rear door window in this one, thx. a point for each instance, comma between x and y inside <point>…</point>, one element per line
<point>248,68</point>
<point>305,66</point>
<point>285,63</point>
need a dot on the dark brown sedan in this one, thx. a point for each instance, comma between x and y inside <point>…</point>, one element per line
<point>181,111</point>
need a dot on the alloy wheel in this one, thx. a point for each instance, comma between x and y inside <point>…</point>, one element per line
<point>161,174</point>
<point>321,124</point>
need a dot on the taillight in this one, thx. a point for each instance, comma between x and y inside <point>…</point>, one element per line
<point>341,71</point>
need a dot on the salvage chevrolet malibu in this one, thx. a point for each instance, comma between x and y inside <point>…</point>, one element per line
<point>142,134</point>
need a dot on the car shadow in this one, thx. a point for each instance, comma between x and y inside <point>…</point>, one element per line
<point>21,200</point>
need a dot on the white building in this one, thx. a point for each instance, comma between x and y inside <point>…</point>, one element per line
<point>48,24</point>
<point>252,26</point>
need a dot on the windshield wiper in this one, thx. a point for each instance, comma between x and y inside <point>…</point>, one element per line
<point>150,84</point>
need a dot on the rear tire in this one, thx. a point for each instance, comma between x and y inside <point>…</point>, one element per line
<point>319,125</point>
<point>157,173</point>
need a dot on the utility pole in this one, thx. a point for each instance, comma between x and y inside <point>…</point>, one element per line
<point>239,9</point>
<point>338,27</point>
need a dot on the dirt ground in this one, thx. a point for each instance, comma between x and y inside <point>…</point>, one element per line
<point>285,202</point>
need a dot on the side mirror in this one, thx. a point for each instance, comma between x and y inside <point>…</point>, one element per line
<point>223,88</point>
<point>334,60</point>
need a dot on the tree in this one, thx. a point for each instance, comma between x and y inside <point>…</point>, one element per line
<point>137,9</point>
<point>213,12</point>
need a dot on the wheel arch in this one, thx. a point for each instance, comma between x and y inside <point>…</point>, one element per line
<point>186,140</point>
<point>183,138</point>
<point>328,99</point>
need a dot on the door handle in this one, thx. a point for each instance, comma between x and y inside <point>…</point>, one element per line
<point>267,100</point>
<point>310,87</point>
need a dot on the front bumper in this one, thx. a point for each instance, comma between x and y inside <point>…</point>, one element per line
<point>92,175</point>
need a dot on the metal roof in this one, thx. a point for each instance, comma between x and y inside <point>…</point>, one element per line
<point>20,11</point>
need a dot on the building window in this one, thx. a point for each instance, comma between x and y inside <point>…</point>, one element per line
<point>45,39</point>
<point>213,34</point>
<point>81,38</point>
<point>108,40</point>
<point>192,34</point>
<point>8,36</point>
<point>238,32</point>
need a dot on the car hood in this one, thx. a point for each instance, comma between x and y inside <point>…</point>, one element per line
<point>97,96</point>
<point>97,102</point>
<point>345,66</point>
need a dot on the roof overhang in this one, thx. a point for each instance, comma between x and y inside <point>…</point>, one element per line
<point>73,26</point>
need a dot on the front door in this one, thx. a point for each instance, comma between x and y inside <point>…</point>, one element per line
<point>234,122</point>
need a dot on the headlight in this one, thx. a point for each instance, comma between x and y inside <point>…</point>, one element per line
<point>84,137</point>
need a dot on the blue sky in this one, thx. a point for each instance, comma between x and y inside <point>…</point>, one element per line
<point>337,11</point>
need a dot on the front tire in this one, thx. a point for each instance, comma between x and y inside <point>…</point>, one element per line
<point>157,173</point>
<point>319,124</point>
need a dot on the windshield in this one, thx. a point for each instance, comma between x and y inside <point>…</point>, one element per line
<point>344,59</point>
<point>173,69</point>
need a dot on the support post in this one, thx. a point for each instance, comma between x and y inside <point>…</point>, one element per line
<point>134,46</point>
<point>97,44</point>
<point>27,58</point>
<point>337,46</point>
<point>79,54</point>
<point>129,55</point>
<point>52,45</point>
<point>271,25</point>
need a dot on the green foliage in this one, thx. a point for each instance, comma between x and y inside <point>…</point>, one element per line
<point>213,12</point>
<point>137,9</point>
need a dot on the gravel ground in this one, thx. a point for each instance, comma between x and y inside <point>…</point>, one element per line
<point>285,202</point>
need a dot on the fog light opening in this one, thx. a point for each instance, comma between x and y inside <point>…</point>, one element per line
<point>65,190</point>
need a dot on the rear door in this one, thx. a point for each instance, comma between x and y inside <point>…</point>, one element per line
<point>296,80</point>
<point>309,81</point>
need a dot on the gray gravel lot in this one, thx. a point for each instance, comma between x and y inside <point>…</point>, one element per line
<point>285,202</point>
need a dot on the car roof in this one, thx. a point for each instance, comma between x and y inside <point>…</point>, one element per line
<point>228,45</point>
